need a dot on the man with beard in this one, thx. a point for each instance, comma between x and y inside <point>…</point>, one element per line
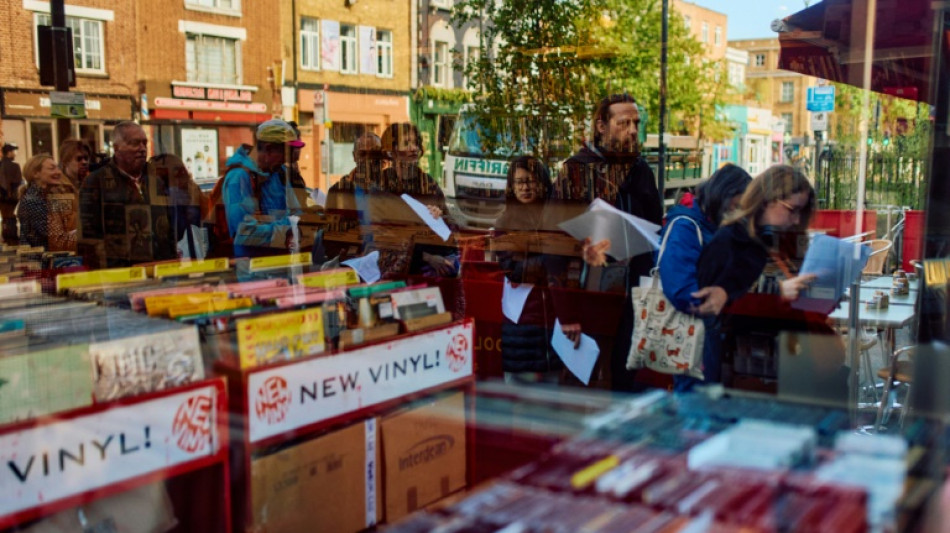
<point>611,168</point>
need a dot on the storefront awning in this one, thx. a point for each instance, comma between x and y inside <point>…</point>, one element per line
<point>826,40</point>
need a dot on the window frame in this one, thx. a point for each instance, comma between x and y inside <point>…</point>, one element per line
<point>313,38</point>
<point>384,51</point>
<point>351,41</point>
<point>445,64</point>
<point>789,122</point>
<point>704,33</point>
<point>81,38</point>
<point>790,96</point>
<point>758,60</point>
<point>234,10</point>
<point>238,70</point>
<point>717,36</point>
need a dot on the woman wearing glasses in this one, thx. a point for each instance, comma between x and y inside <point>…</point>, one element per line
<point>526,352</point>
<point>778,200</point>
<point>74,157</point>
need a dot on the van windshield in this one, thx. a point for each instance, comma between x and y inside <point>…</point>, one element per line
<point>504,137</point>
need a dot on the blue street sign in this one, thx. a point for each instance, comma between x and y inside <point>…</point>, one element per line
<point>821,99</point>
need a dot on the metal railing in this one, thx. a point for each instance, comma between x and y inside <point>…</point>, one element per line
<point>894,177</point>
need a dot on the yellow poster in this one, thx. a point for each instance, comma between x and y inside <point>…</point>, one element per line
<point>184,268</point>
<point>280,337</point>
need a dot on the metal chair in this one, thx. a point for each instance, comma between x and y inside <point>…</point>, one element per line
<point>897,372</point>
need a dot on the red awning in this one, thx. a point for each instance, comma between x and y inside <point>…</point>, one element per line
<point>826,41</point>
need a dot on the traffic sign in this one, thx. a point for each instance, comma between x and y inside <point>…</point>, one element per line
<point>821,98</point>
<point>819,121</point>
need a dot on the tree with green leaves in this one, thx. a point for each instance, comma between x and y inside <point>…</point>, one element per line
<point>557,58</point>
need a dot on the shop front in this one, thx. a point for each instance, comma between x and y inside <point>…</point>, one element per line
<point>204,124</point>
<point>27,121</point>
<point>335,119</point>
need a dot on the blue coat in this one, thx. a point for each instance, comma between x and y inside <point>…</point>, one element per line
<point>678,267</point>
<point>238,192</point>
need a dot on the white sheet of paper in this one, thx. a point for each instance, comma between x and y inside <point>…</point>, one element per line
<point>580,361</point>
<point>513,299</point>
<point>367,267</point>
<point>437,224</point>
<point>626,239</point>
<point>319,197</point>
<point>646,226</point>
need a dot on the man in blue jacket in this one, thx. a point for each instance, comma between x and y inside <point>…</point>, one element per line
<point>263,186</point>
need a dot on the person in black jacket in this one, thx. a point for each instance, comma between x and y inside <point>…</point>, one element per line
<point>526,352</point>
<point>778,200</point>
<point>612,169</point>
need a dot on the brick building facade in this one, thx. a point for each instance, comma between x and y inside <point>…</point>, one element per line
<point>104,31</point>
<point>205,76</point>
<point>347,70</point>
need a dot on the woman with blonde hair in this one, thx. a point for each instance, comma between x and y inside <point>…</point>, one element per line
<point>781,199</point>
<point>47,211</point>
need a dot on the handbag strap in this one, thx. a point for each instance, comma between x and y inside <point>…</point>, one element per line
<point>669,229</point>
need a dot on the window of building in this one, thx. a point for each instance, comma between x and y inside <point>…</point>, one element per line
<point>759,60</point>
<point>87,43</point>
<point>787,117</point>
<point>687,21</point>
<point>471,57</point>
<point>788,91</point>
<point>718,36</point>
<point>441,67</point>
<point>217,5</point>
<point>348,59</point>
<point>309,44</point>
<point>384,53</point>
<point>705,35</point>
<point>444,4</point>
<point>213,59</point>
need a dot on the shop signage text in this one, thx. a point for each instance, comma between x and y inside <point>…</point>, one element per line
<point>210,93</point>
<point>286,398</point>
<point>46,463</point>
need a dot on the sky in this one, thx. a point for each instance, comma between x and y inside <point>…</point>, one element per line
<point>750,19</point>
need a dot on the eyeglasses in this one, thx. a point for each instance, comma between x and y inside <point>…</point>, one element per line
<point>791,208</point>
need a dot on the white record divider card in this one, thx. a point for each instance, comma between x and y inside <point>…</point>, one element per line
<point>73,455</point>
<point>311,391</point>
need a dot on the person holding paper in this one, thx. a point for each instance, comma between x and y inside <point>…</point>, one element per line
<point>779,199</point>
<point>528,305</point>
<point>612,169</point>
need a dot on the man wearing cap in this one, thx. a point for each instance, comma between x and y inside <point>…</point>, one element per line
<point>127,210</point>
<point>10,180</point>
<point>265,185</point>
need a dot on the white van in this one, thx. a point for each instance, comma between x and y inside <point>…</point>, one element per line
<point>475,169</point>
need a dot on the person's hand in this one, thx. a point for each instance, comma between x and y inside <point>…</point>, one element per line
<point>713,298</point>
<point>441,265</point>
<point>573,333</point>
<point>435,211</point>
<point>792,287</point>
<point>595,254</point>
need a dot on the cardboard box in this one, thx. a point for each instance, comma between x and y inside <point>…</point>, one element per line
<point>330,483</point>
<point>424,454</point>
